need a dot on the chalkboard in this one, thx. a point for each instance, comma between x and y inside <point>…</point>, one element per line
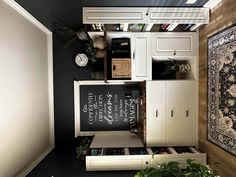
<point>106,108</point>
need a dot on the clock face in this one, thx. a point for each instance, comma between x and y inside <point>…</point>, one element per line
<point>81,60</point>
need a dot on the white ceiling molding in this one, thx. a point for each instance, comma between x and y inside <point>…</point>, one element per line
<point>116,15</point>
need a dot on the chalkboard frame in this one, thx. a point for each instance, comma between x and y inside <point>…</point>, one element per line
<point>77,85</point>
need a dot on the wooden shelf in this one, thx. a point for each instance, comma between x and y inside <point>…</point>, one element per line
<point>105,58</point>
<point>138,158</point>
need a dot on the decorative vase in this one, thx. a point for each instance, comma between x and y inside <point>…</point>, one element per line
<point>184,68</point>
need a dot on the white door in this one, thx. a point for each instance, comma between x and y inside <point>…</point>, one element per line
<point>156,113</point>
<point>141,59</point>
<point>181,113</point>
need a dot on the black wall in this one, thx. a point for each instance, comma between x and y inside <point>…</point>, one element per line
<point>65,70</point>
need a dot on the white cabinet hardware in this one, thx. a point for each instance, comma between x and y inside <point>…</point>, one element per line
<point>172,113</point>
<point>187,113</point>
<point>156,113</point>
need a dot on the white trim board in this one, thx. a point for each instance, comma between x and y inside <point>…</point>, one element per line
<point>27,15</point>
<point>35,163</point>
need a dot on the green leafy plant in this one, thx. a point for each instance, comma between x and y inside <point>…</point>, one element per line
<point>90,51</point>
<point>83,148</point>
<point>171,66</point>
<point>172,169</point>
<point>198,170</point>
<point>69,34</point>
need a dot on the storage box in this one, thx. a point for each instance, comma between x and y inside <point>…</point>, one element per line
<point>121,68</point>
<point>120,47</point>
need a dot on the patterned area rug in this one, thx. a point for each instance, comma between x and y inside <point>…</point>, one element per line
<point>222,89</point>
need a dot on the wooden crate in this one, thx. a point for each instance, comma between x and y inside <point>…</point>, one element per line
<point>121,68</point>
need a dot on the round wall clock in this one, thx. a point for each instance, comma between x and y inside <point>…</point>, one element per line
<point>81,60</point>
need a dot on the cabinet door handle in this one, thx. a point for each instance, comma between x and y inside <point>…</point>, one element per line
<point>187,113</point>
<point>156,112</point>
<point>114,67</point>
<point>141,102</point>
<point>133,55</point>
<point>172,113</point>
<point>174,52</point>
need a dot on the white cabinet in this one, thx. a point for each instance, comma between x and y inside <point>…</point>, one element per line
<point>113,15</point>
<point>141,59</point>
<point>171,113</point>
<point>179,15</point>
<point>145,15</point>
<point>174,44</point>
<point>181,106</point>
<point>148,50</point>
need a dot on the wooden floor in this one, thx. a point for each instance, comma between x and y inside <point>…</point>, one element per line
<point>63,163</point>
<point>222,16</point>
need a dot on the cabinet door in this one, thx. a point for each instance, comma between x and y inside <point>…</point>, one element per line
<point>114,15</point>
<point>159,15</point>
<point>174,44</point>
<point>156,113</point>
<point>181,113</point>
<point>141,60</point>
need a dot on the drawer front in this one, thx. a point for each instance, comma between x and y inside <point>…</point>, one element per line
<point>116,162</point>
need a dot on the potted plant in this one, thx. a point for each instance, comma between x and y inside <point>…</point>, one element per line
<point>172,169</point>
<point>172,67</point>
<point>83,147</point>
<point>70,35</point>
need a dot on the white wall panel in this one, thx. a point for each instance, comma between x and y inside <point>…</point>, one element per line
<point>25,91</point>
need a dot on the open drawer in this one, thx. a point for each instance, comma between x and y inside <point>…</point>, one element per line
<point>177,154</point>
<point>102,159</point>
